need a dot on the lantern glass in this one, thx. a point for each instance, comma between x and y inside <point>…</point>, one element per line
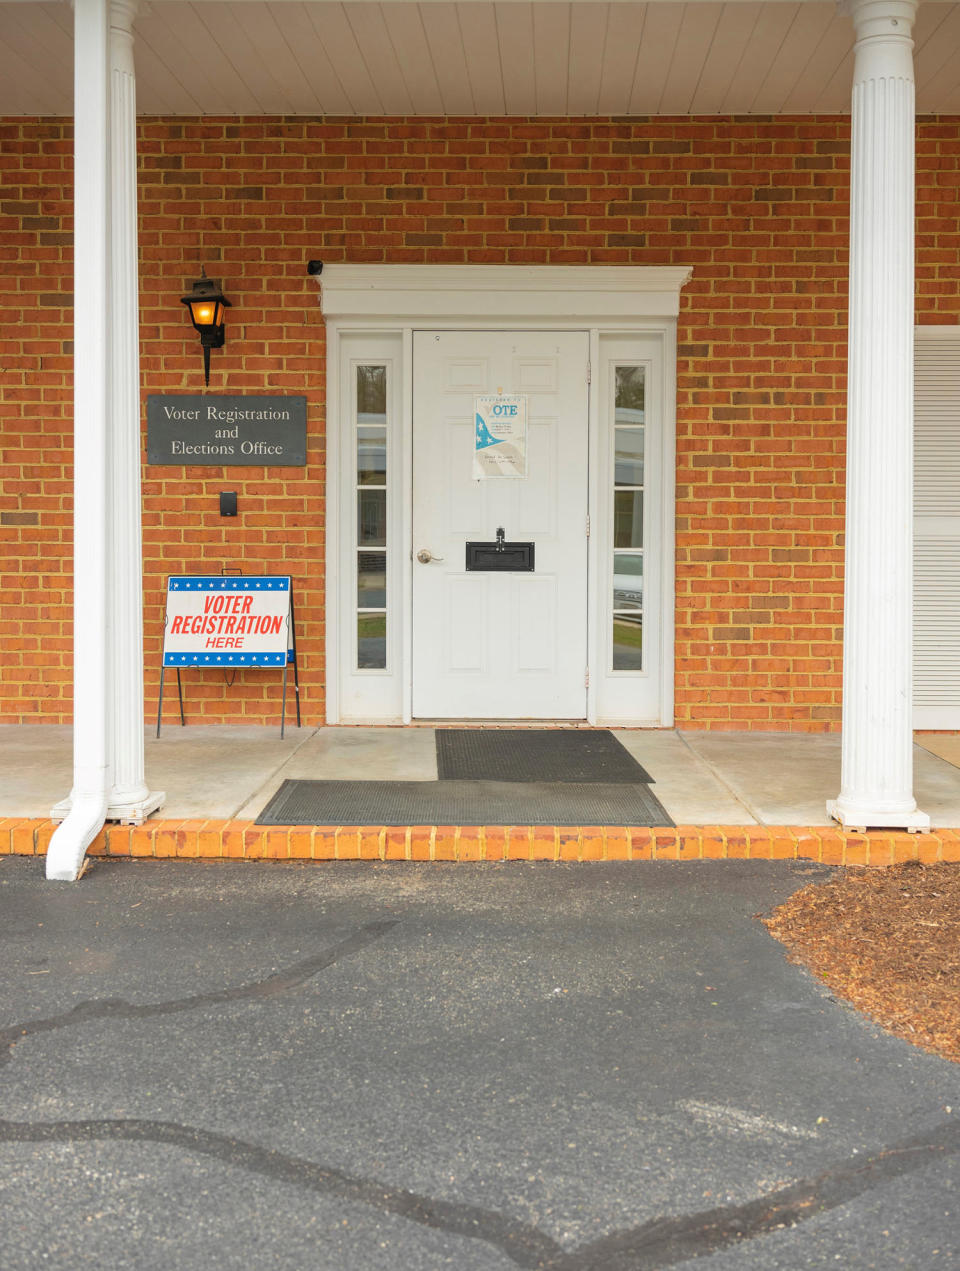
<point>204,312</point>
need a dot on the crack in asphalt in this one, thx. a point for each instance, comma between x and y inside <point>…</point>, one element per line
<point>652,1245</point>
<point>117,1008</point>
<point>665,1242</point>
<point>523,1244</point>
<point>661,1242</point>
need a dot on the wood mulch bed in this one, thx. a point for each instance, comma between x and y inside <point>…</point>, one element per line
<point>888,941</point>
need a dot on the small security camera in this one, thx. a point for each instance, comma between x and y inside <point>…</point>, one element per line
<point>314,267</point>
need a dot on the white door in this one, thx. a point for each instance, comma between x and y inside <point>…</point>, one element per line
<point>489,644</point>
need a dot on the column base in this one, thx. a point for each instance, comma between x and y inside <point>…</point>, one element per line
<point>853,816</point>
<point>123,809</point>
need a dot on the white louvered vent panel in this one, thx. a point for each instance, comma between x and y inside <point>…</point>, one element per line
<point>937,427</point>
<point>936,633</point>
<point>936,556</point>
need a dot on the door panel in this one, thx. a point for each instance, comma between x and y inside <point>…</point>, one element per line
<point>488,645</point>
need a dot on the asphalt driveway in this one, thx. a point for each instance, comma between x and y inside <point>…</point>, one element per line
<point>581,1068</point>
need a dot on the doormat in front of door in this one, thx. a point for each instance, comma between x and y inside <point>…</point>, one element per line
<point>463,803</point>
<point>535,754</point>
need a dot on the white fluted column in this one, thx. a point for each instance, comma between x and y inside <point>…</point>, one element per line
<point>90,324</point>
<point>108,779</point>
<point>877,745</point>
<point>129,797</point>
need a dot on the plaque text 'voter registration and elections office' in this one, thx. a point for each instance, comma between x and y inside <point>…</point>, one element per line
<point>225,431</point>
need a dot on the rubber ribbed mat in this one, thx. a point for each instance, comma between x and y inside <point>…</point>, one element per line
<point>462,803</point>
<point>534,754</point>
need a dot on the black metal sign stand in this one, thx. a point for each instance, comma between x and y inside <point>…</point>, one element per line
<point>290,657</point>
<point>183,722</point>
<point>296,673</point>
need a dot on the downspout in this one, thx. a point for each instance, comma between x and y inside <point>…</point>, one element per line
<point>91,220</point>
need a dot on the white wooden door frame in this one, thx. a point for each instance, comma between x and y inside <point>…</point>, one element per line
<point>387,303</point>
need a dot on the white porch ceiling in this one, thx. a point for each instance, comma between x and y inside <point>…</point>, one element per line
<point>591,57</point>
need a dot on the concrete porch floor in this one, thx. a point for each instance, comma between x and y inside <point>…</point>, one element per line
<point>701,778</point>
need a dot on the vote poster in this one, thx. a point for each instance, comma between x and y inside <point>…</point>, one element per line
<point>500,445</point>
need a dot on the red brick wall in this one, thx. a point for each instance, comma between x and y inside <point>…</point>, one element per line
<point>757,206</point>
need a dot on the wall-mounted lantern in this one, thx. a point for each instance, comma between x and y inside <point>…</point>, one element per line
<point>207,305</point>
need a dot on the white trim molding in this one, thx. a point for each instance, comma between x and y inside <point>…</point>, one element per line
<point>547,293</point>
<point>371,311</point>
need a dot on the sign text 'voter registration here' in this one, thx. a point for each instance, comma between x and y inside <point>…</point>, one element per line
<point>216,621</point>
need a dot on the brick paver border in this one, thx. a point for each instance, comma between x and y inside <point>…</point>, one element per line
<point>243,840</point>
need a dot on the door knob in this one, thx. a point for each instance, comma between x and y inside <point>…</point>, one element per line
<point>425,556</point>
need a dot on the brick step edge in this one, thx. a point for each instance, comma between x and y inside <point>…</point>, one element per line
<point>243,840</point>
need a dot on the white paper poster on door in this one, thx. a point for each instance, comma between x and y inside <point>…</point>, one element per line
<point>500,445</point>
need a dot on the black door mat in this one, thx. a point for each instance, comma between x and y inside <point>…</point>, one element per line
<point>462,803</point>
<point>535,754</point>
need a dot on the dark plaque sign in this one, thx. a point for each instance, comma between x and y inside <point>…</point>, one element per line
<point>223,431</point>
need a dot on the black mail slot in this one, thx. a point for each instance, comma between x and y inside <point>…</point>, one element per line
<point>501,557</point>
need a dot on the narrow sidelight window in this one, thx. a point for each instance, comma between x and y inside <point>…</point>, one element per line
<point>628,442</point>
<point>371,492</point>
